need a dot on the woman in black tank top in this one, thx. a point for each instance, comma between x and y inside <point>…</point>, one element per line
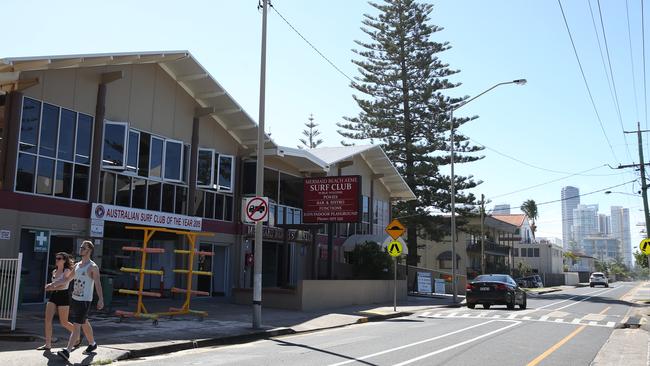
<point>59,297</point>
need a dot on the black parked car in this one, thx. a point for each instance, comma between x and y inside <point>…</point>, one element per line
<point>495,289</point>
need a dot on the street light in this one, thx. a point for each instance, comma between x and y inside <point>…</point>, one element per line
<point>453,179</point>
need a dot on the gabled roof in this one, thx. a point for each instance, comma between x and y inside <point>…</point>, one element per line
<point>180,65</point>
<point>378,162</point>
<point>515,219</point>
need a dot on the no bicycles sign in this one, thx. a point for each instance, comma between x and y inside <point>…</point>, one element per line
<point>257,209</point>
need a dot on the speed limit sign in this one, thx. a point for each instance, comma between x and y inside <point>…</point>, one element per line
<point>257,208</point>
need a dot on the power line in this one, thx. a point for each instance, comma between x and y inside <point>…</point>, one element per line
<point>585,194</point>
<point>629,37</point>
<point>645,90</point>
<point>584,78</point>
<point>545,183</point>
<point>310,44</point>
<point>540,168</point>
<point>611,72</point>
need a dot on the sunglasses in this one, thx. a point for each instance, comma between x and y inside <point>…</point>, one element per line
<point>59,258</point>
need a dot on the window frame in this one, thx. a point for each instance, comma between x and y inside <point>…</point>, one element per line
<point>162,159</point>
<point>180,161</point>
<point>128,170</point>
<point>56,159</point>
<point>125,125</point>
<point>211,165</point>
<point>216,184</point>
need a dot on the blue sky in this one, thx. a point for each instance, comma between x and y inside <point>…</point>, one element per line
<point>549,123</point>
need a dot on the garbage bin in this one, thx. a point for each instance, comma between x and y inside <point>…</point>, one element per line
<point>107,290</point>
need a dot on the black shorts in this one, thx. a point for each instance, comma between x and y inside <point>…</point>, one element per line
<point>60,298</point>
<point>78,311</point>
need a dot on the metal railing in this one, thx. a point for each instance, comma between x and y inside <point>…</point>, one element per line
<point>9,287</point>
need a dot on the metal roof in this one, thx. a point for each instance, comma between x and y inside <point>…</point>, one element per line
<point>180,65</point>
<point>378,162</point>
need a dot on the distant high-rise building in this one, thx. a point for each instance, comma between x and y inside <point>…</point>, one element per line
<point>621,231</point>
<point>503,209</point>
<point>585,222</point>
<point>604,226</point>
<point>570,201</point>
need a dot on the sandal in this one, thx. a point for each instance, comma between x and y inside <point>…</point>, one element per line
<point>44,348</point>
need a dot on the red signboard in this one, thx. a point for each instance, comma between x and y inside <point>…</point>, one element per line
<point>332,199</point>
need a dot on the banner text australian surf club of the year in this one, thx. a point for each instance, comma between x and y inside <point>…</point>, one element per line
<point>144,217</point>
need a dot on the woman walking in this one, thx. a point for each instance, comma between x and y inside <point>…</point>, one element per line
<point>59,299</point>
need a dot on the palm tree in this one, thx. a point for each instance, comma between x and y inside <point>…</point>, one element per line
<point>529,207</point>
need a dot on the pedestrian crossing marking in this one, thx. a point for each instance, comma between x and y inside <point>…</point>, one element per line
<point>520,316</point>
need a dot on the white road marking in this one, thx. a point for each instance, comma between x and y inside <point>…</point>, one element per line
<point>457,345</point>
<point>419,342</point>
<point>588,297</point>
<point>575,321</point>
<point>611,324</point>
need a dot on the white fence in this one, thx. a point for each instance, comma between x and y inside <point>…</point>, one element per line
<point>9,285</point>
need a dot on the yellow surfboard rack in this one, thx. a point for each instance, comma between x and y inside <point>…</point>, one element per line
<point>141,311</point>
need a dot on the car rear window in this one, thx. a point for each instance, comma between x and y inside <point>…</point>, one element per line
<point>497,278</point>
<point>598,275</point>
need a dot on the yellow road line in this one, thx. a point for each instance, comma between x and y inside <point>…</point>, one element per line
<point>559,344</point>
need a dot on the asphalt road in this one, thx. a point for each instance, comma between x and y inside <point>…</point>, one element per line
<point>560,328</point>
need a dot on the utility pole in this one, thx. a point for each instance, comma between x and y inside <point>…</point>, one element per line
<point>482,234</point>
<point>644,185</point>
<point>259,183</point>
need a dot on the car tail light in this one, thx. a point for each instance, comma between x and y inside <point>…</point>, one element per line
<point>468,287</point>
<point>501,287</point>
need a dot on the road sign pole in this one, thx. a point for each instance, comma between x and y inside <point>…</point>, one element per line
<point>259,183</point>
<point>395,286</point>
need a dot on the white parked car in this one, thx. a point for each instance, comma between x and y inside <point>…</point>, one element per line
<point>598,278</point>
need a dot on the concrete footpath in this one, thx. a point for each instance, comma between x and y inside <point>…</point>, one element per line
<point>226,323</point>
<point>630,345</point>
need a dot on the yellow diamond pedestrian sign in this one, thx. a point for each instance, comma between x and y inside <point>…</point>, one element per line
<point>645,246</point>
<point>394,248</point>
<point>395,229</point>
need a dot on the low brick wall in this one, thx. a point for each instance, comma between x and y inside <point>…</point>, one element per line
<point>325,294</point>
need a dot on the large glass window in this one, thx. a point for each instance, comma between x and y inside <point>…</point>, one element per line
<point>67,134</point>
<point>153,196</point>
<point>218,207</point>
<point>228,210</point>
<point>29,125</point>
<point>49,131</point>
<point>139,199</point>
<point>123,191</point>
<point>168,198</point>
<point>63,181</point>
<point>107,188</point>
<point>250,175</point>
<point>173,160</point>
<point>114,148</point>
<point>51,139</point>
<point>271,180</point>
<point>181,200</point>
<point>45,177</point>
<point>226,168</point>
<point>291,190</point>
<point>25,172</point>
<point>84,138</point>
<point>209,205</point>
<point>204,169</point>
<point>80,184</point>
<point>143,156</point>
<point>133,151</point>
<point>156,157</point>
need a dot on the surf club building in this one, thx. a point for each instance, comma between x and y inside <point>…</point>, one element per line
<point>91,145</point>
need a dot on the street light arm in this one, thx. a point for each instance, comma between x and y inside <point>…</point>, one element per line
<point>517,81</point>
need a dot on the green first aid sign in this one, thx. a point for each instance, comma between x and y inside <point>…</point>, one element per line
<point>41,241</point>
